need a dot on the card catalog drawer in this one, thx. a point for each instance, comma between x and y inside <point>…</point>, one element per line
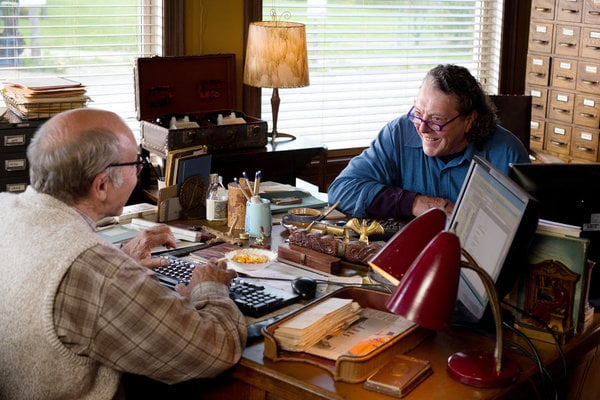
<point>558,137</point>
<point>12,164</point>
<point>564,73</point>
<point>567,40</point>
<point>542,9</point>
<point>538,70</point>
<point>590,43</point>
<point>536,137</point>
<point>15,184</point>
<point>587,110</point>
<point>588,76</point>
<point>591,12</point>
<point>584,143</point>
<point>540,36</point>
<point>539,100</point>
<point>569,10</point>
<point>560,105</point>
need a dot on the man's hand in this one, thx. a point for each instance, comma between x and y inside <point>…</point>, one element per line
<point>140,247</point>
<point>425,203</point>
<point>215,270</point>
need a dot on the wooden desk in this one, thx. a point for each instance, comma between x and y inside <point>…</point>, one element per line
<point>258,378</point>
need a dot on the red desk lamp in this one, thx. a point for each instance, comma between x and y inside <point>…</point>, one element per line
<point>426,295</point>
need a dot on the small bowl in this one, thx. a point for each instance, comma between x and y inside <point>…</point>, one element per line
<point>250,259</point>
<point>300,217</point>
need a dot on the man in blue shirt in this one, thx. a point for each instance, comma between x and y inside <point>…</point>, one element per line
<point>419,160</point>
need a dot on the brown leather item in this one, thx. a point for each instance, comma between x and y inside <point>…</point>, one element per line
<point>310,258</point>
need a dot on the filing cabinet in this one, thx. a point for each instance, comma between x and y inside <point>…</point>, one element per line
<point>15,136</point>
<point>563,78</point>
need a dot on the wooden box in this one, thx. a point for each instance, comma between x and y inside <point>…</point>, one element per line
<point>199,87</point>
<point>348,368</point>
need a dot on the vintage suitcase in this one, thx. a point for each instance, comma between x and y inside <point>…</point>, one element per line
<point>199,87</point>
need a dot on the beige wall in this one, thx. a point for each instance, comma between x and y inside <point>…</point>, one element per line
<point>216,26</point>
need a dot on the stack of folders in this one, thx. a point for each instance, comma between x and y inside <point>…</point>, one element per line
<point>308,328</point>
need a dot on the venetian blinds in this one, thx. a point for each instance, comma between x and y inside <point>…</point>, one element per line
<point>367,59</point>
<point>91,42</point>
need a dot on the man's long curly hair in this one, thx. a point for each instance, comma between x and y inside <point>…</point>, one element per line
<point>458,81</point>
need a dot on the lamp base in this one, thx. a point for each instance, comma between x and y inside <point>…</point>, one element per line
<point>278,135</point>
<point>478,369</point>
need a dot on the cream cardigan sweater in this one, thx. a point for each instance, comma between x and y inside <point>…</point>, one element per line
<point>39,239</point>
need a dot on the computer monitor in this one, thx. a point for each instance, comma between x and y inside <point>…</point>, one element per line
<point>495,220</point>
<point>567,193</point>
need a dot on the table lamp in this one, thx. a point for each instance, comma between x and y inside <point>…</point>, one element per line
<point>427,294</point>
<point>276,58</point>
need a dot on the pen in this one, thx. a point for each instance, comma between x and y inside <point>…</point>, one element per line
<point>256,182</point>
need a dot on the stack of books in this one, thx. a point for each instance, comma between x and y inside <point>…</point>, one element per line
<point>35,98</point>
<point>328,318</point>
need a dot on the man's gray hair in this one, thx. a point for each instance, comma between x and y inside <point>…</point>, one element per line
<point>64,166</point>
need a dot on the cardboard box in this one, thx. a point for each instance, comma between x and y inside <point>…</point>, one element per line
<point>197,87</point>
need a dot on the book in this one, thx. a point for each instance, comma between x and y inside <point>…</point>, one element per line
<point>558,228</point>
<point>555,286</point>
<point>193,165</point>
<point>174,155</point>
<point>399,376</point>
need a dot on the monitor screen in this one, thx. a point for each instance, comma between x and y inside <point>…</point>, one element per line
<point>495,221</point>
<point>567,193</point>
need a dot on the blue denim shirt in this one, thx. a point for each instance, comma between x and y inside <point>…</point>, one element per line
<point>396,159</point>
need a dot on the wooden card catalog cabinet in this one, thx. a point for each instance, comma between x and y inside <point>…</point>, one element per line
<point>563,78</point>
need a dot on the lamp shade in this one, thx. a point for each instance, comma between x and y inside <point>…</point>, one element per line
<point>276,55</point>
<point>427,293</point>
<point>393,260</point>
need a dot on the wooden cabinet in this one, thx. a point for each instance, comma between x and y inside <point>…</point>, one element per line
<point>563,78</point>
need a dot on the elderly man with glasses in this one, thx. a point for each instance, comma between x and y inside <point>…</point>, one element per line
<point>419,160</point>
<point>77,312</point>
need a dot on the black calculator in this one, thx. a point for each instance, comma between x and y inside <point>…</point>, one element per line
<point>254,300</point>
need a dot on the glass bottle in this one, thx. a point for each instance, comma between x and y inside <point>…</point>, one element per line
<point>216,201</point>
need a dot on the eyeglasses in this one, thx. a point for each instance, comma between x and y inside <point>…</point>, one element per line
<point>432,125</point>
<point>139,164</point>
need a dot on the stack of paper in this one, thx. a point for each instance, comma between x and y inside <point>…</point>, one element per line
<point>327,318</point>
<point>33,98</point>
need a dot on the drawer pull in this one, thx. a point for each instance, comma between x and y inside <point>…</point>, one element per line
<point>560,110</point>
<point>594,13</point>
<point>588,82</point>
<point>588,115</point>
<point>589,46</point>
<point>557,143</point>
<point>540,41</point>
<point>569,11</point>
<point>538,106</point>
<point>566,44</point>
<point>538,74</point>
<point>543,9</point>
<point>564,78</point>
<point>536,138</point>
<point>581,148</point>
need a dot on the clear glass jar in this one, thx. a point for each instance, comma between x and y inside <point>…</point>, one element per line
<point>216,201</point>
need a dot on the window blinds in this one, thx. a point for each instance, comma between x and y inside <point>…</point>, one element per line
<point>367,59</point>
<point>91,42</point>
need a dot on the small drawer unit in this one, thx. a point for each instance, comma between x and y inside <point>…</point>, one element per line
<point>15,136</point>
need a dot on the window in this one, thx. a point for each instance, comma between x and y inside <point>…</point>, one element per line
<point>91,42</point>
<point>367,59</point>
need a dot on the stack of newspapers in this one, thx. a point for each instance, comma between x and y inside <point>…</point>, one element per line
<point>327,318</point>
<point>35,98</point>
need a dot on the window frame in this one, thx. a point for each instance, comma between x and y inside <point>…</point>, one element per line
<point>515,25</point>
